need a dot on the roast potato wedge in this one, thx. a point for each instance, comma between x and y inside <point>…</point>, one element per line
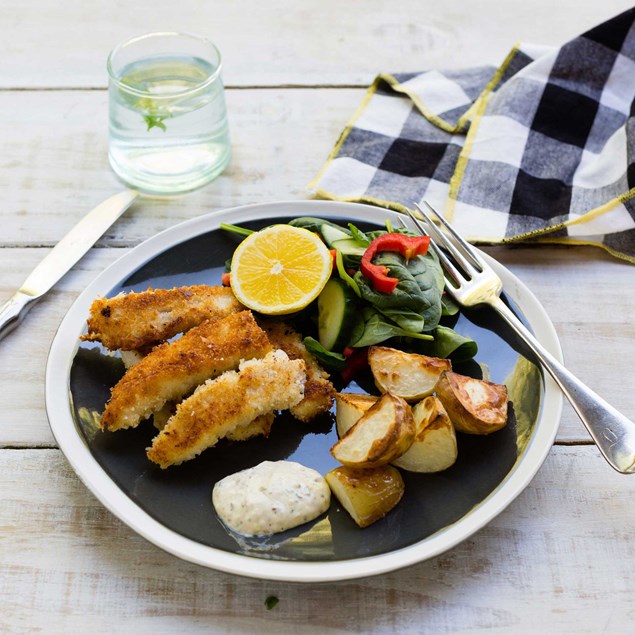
<point>366,494</point>
<point>475,406</point>
<point>434,447</point>
<point>383,433</point>
<point>407,375</point>
<point>349,407</point>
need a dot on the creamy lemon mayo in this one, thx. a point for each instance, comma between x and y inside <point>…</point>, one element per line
<point>271,497</point>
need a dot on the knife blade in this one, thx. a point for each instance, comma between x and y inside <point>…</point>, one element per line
<point>62,257</point>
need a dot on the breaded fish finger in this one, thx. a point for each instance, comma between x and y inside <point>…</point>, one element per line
<point>226,404</point>
<point>260,426</point>
<point>319,392</point>
<point>134,320</point>
<point>174,369</point>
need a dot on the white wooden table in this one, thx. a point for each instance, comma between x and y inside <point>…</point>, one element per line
<point>560,559</point>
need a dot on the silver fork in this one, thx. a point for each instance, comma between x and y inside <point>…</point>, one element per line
<point>473,282</point>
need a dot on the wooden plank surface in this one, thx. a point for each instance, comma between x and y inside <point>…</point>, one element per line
<point>321,42</point>
<point>560,555</point>
<point>559,559</point>
<point>54,167</point>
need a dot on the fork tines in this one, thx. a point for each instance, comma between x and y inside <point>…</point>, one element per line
<point>447,241</point>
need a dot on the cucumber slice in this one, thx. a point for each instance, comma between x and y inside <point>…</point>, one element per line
<point>330,233</point>
<point>348,247</point>
<point>336,315</point>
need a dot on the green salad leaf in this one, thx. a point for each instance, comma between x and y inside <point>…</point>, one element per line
<point>407,320</point>
<point>375,328</point>
<point>313,224</point>
<point>448,306</point>
<point>359,236</point>
<point>328,359</point>
<point>448,343</point>
<point>419,288</point>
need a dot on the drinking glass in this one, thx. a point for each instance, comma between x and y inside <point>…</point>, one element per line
<point>168,131</point>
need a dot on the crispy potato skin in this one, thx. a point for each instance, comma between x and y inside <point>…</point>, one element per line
<point>407,375</point>
<point>174,369</point>
<point>370,442</point>
<point>434,447</point>
<point>366,494</point>
<point>132,321</point>
<point>475,406</point>
<point>318,390</point>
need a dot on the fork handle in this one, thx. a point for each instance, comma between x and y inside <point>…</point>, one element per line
<point>612,432</point>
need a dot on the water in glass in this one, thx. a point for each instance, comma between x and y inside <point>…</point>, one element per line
<point>168,124</point>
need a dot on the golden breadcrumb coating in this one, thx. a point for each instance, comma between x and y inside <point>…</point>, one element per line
<point>133,320</point>
<point>319,393</point>
<point>226,404</point>
<point>174,369</point>
<point>260,426</point>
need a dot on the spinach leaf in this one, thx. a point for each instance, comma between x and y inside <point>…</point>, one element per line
<point>328,359</point>
<point>406,231</point>
<point>448,343</point>
<point>375,328</point>
<point>407,294</point>
<point>448,305</point>
<point>429,276</point>
<point>407,320</point>
<point>313,224</point>
<point>419,288</point>
<point>271,602</point>
<point>371,235</point>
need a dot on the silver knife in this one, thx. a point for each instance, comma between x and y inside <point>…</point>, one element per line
<point>62,257</point>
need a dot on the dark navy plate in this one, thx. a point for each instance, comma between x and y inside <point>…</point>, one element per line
<point>178,499</point>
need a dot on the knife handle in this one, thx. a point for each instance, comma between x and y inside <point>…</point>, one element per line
<point>13,310</point>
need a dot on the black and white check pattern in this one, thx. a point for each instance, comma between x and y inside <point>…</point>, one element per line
<point>542,148</point>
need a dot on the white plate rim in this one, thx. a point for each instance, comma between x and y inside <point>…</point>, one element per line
<point>59,411</point>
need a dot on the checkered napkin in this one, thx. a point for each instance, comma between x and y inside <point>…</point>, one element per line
<point>540,149</point>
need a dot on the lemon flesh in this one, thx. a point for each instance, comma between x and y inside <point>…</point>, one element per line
<point>280,269</point>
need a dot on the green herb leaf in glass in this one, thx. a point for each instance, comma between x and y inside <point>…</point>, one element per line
<point>155,121</point>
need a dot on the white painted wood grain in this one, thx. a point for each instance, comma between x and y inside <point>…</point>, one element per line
<point>280,42</point>
<point>560,556</point>
<point>23,353</point>
<point>588,296</point>
<point>54,166</point>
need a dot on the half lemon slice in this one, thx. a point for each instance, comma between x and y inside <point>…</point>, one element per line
<point>280,269</point>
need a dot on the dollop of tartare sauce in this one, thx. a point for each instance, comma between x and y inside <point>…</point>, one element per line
<point>271,497</point>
